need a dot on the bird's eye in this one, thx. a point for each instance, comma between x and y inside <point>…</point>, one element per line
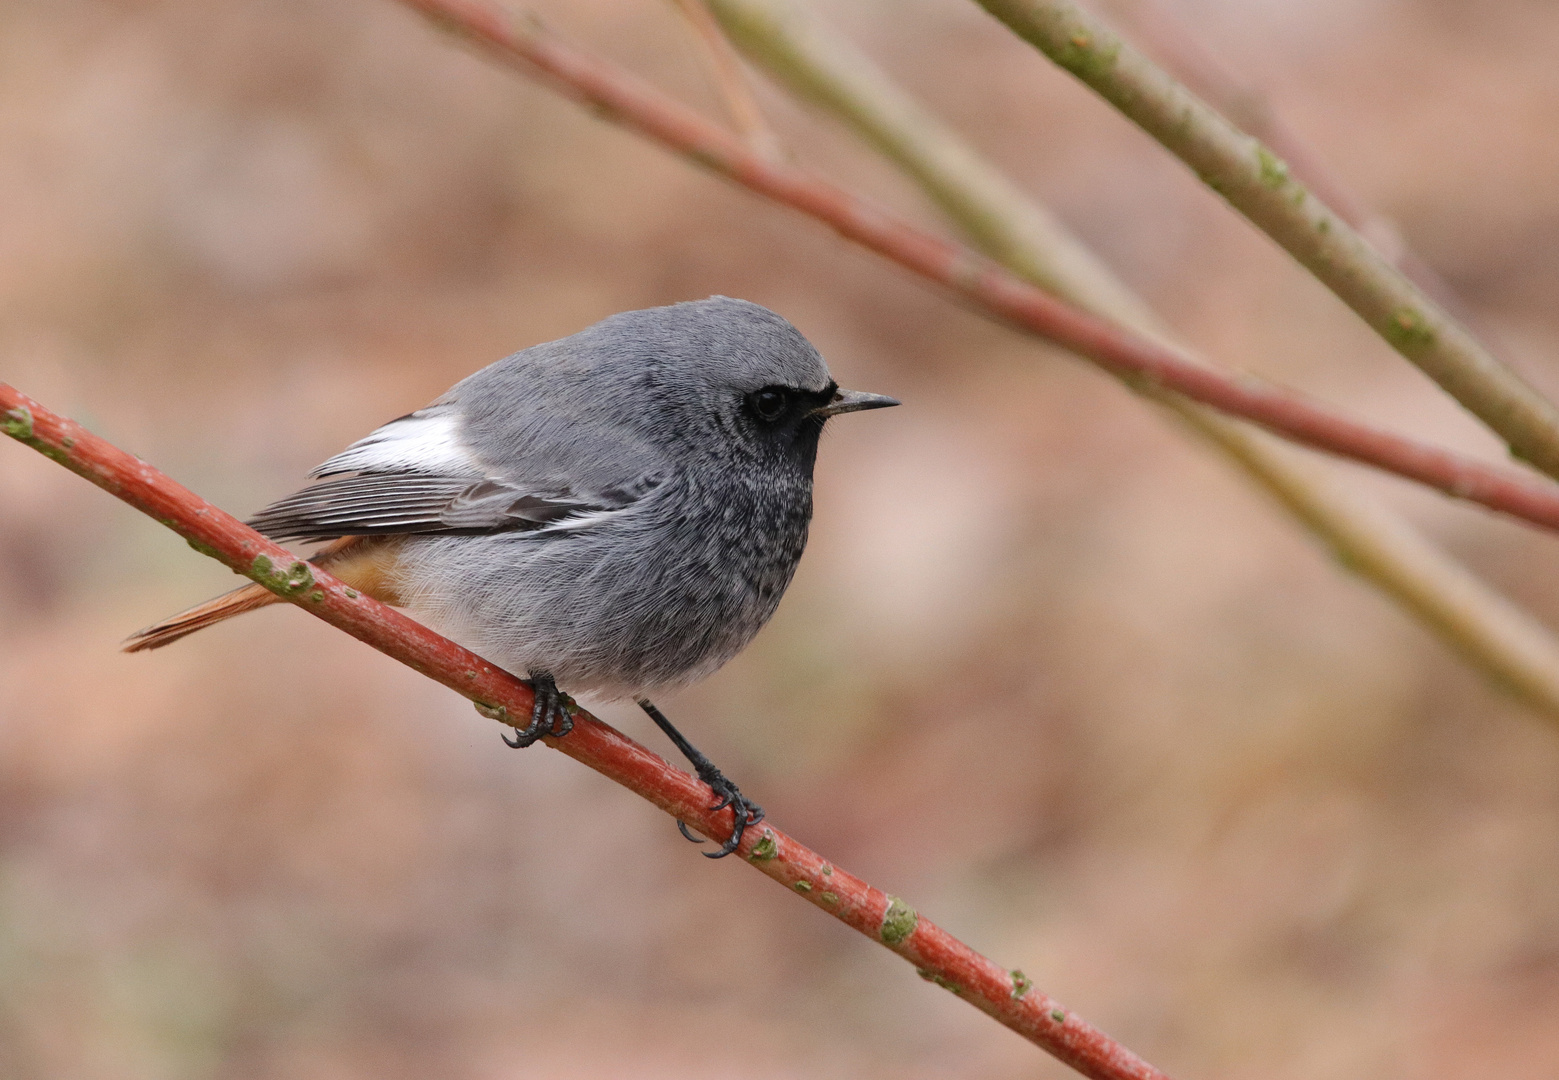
<point>769,403</point>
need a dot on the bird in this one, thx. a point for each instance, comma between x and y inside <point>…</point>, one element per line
<point>616,513</point>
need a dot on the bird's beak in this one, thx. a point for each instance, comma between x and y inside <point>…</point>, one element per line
<point>853,401</point>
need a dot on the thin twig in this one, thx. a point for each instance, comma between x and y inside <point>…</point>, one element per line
<point>633,103</point>
<point>1250,109</point>
<point>1256,182</point>
<point>819,63</point>
<point>1006,995</point>
<point>824,67</point>
<point>725,67</point>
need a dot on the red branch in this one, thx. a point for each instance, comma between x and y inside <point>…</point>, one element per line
<point>937,955</point>
<point>624,98</point>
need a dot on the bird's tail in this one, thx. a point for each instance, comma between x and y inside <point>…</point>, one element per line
<point>244,598</point>
<point>365,563</point>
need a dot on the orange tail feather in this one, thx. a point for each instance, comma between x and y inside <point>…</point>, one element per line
<point>244,598</point>
<point>365,563</point>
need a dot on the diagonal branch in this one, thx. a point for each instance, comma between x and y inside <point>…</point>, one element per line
<point>1258,184</point>
<point>1008,996</point>
<point>820,64</point>
<point>634,104</point>
<point>1183,54</point>
<point>725,68</point>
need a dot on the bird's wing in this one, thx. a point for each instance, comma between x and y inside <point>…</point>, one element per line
<point>380,504</point>
<point>426,441</point>
<point>413,475</point>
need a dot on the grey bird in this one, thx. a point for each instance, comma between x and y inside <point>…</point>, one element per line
<point>616,512</point>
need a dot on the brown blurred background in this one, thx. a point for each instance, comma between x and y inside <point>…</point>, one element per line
<point>1049,670</point>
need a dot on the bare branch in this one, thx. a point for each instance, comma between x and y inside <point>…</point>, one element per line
<point>1245,103</point>
<point>726,69</point>
<point>1258,184</point>
<point>1248,107</point>
<point>824,67</point>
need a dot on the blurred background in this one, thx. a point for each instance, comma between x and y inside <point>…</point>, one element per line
<point>1050,670</point>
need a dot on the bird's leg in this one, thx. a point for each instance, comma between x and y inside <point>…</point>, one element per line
<point>549,716</point>
<point>744,811</point>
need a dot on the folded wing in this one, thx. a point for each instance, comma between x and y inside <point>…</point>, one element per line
<point>413,476</point>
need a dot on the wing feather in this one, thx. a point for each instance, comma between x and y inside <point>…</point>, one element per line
<point>381,504</point>
<point>416,475</point>
<point>361,505</point>
<point>426,441</point>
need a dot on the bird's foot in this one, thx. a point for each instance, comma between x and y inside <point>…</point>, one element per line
<point>744,811</point>
<point>552,714</point>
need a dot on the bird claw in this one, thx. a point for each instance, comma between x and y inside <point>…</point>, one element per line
<point>518,742</point>
<point>744,811</point>
<point>552,714</point>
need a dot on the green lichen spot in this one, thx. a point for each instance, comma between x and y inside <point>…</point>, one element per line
<point>18,422</point>
<point>68,443</point>
<point>1346,560</point>
<point>1084,57</point>
<point>828,897</point>
<point>203,547</point>
<point>1274,174</point>
<point>803,886</point>
<point>898,922</point>
<point>447,24</point>
<point>318,596</point>
<point>1021,983</point>
<point>828,871</point>
<point>1324,226</point>
<point>708,157</point>
<point>292,581</point>
<point>1058,1015</point>
<point>351,594</point>
<point>1408,330</point>
<point>764,850</point>
<point>941,980</point>
<point>492,712</point>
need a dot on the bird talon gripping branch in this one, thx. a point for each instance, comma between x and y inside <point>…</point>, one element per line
<point>617,511</point>
<point>744,811</point>
<point>550,715</point>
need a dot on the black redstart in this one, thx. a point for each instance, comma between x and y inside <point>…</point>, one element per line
<point>615,512</point>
